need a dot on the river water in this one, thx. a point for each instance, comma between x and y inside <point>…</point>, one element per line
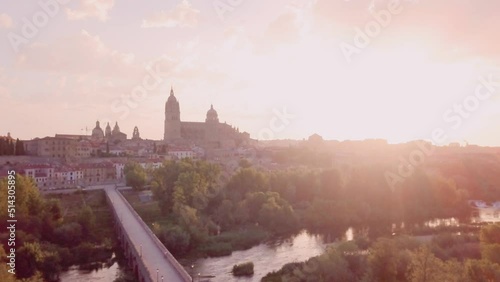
<point>107,273</point>
<point>272,256</point>
<point>266,257</point>
<point>101,275</point>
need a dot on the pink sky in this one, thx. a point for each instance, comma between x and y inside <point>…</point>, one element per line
<point>249,60</point>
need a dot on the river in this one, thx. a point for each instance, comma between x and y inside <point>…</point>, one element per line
<point>266,257</point>
<point>107,273</point>
<point>272,256</point>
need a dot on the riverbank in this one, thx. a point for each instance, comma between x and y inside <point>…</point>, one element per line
<point>215,245</point>
<point>100,258</point>
<point>267,257</point>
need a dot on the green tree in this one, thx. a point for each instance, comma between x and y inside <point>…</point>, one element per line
<point>176,240</point>
<point>28,257</point>
<point>50,266</point>
<point>224,215</point>
<point>2,147</point>
<point>277,215</point>
<point>11,148</point>
<point>383,260</point>
<point>87,220</point>
<point>69,234</point>
<point>135,176</point>
<point>425,267</point>
<point>28,200</point>
<point>491,252</point>
<point>327,214</point>
<point>490,243</point>
<point>187,182</point>
<point>194,189</point>
<point>490,234</point>
<point>244,163</point>
<point>19,148</point>
<point>246,180</point>
<point>482,271</point>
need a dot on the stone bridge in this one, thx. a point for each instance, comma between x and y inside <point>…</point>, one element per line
<point>147,256</point>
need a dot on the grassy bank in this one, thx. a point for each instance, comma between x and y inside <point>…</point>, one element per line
<point>222,244</point>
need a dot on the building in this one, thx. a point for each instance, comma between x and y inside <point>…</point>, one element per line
<point>40,173</point>
<point>98,173</point>
<point>136,136</point>
<point>209,134</point>
<point>114,136</point>
<point>62,146</point>
<point>181,153</point>
<point>55,147</point>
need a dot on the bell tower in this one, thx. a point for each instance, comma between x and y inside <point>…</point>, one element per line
<point>172,118</point>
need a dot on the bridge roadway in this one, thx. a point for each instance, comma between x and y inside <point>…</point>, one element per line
<point>147,247</point>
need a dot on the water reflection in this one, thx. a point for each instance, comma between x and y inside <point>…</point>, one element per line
<point>442,222</point>
<point>104,272</point>
<point>273,255</point>
<point>266,257</point>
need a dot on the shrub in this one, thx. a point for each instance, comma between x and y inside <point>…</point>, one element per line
<point>217,249</point>
<point>244,269</point>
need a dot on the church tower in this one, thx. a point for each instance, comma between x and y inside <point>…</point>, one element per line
<point>172,118</point>
<point>108,132</point>
<point>136,135</point>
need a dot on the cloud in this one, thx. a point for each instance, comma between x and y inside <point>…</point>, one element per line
<point>81,53</point>
<point>5,21</point>
<point>183,15</point>
<point>90,9</point>
<point>4,91</point>
<point>284,29</point>
<point>287,28</point>
<point>462,27</point>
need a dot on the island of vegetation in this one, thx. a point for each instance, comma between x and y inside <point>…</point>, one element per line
<point>244,269</point>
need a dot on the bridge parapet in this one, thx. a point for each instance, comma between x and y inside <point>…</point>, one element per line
<point>178,267</point>
<point>143,273</point>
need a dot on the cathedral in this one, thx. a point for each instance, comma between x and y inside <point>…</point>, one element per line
<point>112,136</point>
<point>209,134</point>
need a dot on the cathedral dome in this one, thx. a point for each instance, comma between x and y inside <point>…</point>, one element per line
<point>212,115</point>
<point>97,132</point>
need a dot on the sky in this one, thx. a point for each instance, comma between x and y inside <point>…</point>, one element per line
<point>344,69</point>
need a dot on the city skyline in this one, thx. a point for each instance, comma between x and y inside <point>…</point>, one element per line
<point>315,60</point>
